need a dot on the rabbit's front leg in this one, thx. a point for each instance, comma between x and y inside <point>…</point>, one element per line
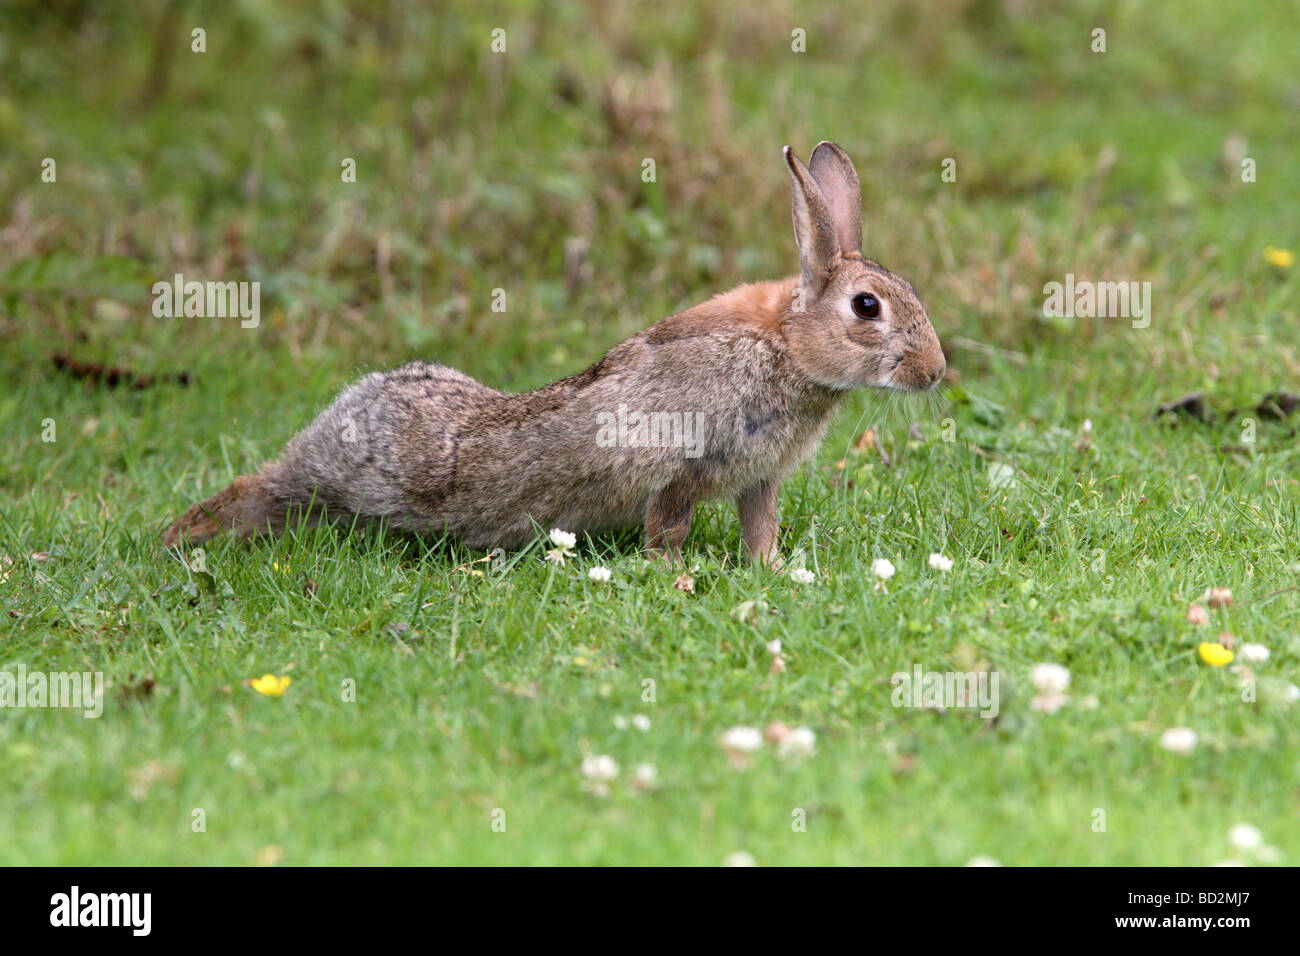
<point>758,521</point>
<point>668,518</point>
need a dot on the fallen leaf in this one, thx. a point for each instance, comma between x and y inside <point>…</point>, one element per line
<point>1191,405</point>
<point>133,689</point>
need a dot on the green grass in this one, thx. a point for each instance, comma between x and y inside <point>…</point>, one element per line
<point>481,687</point>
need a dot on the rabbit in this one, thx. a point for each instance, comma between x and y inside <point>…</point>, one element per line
<point>721,401</point>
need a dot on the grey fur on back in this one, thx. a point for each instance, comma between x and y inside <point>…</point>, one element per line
<point>430,449</point>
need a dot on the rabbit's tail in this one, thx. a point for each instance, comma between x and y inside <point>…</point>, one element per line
<point>251,505</point>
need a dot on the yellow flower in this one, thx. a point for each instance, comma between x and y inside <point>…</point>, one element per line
<point>1216,655</point>
<point>1282,258</point>
<point>273,686</point>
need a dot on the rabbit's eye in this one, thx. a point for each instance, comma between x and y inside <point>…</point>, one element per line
<point>866,306</point>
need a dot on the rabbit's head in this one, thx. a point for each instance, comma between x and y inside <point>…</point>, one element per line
<point>851,322</point>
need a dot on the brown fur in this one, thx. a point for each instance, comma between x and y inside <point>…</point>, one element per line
<point>243,508</point>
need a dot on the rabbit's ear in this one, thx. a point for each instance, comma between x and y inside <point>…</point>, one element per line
<point>833,170</point>
<point>819,248</point>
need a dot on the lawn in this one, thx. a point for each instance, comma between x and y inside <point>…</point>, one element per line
<point>442,703</point>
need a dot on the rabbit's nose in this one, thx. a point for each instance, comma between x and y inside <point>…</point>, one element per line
<point>937,373</point>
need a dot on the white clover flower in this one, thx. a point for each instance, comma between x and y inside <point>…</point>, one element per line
<point>1217,597</point>
<point>564,540</point>
<point>797,742</point>
<point>882,568</point>
<point>774,648</point>
<point>802,575</point>
<point>1087,426</point>
<point>1292,692</point>
<point>645,776</point>
<point>599,574</point>
<point>1179,740</point>
<point>742,739</point>
<point>1253,653</point>
<point>600,768</point>
<point>739,742</point>
<point>940,562</point>
<point>1245,837</point>
<point>982,861</point>
<point>1049,679</point>
<point>641,722</point>
<point>739,858</point>
<point>620,722</point>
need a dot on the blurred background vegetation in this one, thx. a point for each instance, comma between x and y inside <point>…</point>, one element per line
<point>521,170</point>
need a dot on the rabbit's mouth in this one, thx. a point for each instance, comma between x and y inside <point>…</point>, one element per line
<point>916,372</point>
